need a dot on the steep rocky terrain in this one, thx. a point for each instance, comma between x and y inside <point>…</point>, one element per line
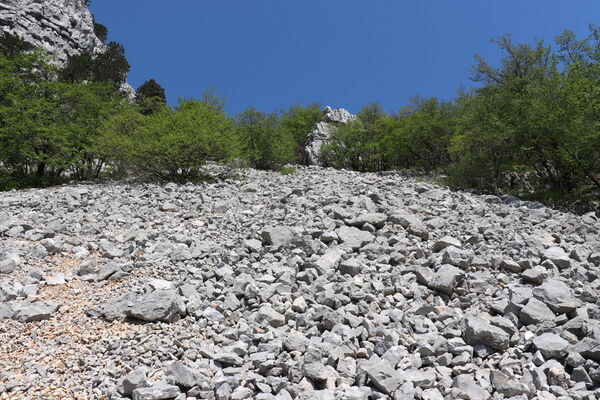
<point>322,284</point>
<point>61,27</point>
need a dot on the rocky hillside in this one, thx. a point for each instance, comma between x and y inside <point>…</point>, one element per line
<point>323,284</point>
<point>61,27</point>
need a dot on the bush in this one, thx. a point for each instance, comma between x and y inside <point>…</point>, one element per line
<point>48,126</point>
<point>170,145</point>
<point>263,144</point>
<point>298,122</point>
<point>150,97</point>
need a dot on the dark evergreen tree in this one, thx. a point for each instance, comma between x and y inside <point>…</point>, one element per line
<point>150,97</point>
<point>11,45</point>
<point>111,66</point>
<point>100,31</point>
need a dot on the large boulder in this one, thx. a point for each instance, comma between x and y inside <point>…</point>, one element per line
<point>158,305</point>
<point>478,331</point>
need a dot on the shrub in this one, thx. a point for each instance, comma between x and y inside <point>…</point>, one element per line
<point>171,145</point>
<point>263,144</point>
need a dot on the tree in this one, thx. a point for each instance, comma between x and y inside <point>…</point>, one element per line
<point>11,45</point>
<point>298,122</point>
<point>100,31</point>
<point>263,143</point>
<point>150,97</point>
<point>47,127</point>
<point>110,66</point>
<point>171,145</point>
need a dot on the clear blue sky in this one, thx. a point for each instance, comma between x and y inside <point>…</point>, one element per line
<point>345,53</point>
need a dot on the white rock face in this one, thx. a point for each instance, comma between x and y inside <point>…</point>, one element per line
<point>61,27</point>
<point>320,135</point>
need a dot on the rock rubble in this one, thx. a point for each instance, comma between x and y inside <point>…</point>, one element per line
<point>322,284</point>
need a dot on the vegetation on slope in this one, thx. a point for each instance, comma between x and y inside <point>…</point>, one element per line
<point>530,126</point>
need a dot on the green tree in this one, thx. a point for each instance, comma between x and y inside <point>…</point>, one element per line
<point>298,122</point>
<point>110,66</point>
<point>171,145</point>
<point>11,45</point>
<point>262,142</point>
<point>100,31</point>
<point>150,97</point>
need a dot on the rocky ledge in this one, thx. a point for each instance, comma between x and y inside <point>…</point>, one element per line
<point>322,284</point>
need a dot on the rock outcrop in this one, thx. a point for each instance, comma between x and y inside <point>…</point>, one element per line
<point>60,27</point>
<point>323,130</point>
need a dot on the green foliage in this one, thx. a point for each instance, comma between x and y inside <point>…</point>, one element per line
<point>170,145</point>
<point>298,122</point>
<point>11,45</point>
<point>262,141</point>
<point>100,31</point>
<point>111,66</point>
<point>150,97</point>
<point>287,170</point>
<point>47,127</point>
<point>356,145</point>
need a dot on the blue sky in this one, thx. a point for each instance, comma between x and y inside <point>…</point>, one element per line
<point>345,53</point>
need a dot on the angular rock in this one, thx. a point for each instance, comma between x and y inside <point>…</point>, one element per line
<point>158,391</point>
<point>33,311</point>
<point>158,305</point>
<point>446,278</point>
<point>444,242</point>
<point>478,331</point>
<point>551,345</point>
<point>277,236</point>
<point>354,237</point>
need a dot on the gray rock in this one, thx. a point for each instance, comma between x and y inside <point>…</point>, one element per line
<point>375,219</point>
<point>536,312</point>
<point>181,375</point>
<point>268,316</point>
<point>588,347</point>
<point>277,236</point>
<point>295,341</point>
<point>466,384</point>
<point>28,311</point>
<point>354,237</point>
<point>478,331</point>
<point>158,391</point>
<point>535,275</point>
<point>56,280</point>
<point>551,345</point>
<point>158,305</point>
<point>134,380</point>
<point>253,245</point>
<point>351,267</point>
<point>444,242</point>
<point>384,377</point>
<point>446,278</point>
<point>557,295</point>
<point>558,256</point>
<point>457,257</point>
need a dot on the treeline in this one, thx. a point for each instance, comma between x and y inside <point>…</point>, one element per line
<point>75,123</point>
<point>531,125</point>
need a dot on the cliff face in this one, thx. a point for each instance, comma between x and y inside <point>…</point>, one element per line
<point>61,27</point>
